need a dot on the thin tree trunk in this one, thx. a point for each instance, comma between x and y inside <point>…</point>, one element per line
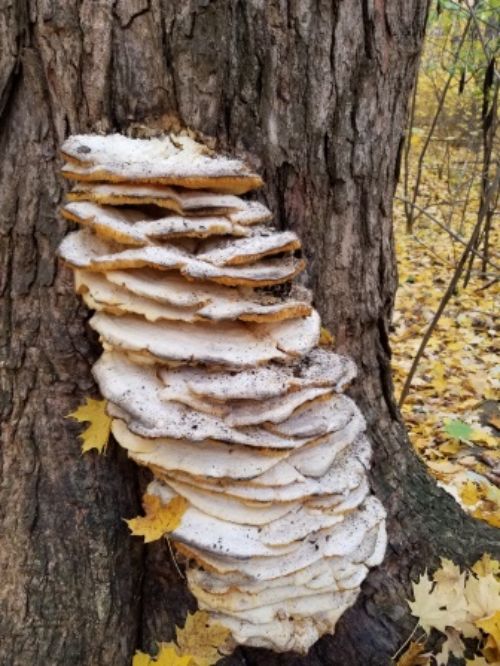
<point>315,94</point>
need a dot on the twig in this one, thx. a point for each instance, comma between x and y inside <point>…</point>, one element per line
<point>409,132</point>
<point>416,188</point>
<point>449,291</point>
<point>174,559</point>
<point>449,231</point>
<point>402,647</point>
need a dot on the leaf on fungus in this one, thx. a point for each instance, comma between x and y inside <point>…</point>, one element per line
<point>160,519</point>
<point>413,656</point>
<point>202,639</point>
<point>96,435</point>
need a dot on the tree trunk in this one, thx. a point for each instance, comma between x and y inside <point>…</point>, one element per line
<point>314,94</point>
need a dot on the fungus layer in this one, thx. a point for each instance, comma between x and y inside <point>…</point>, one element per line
<point>216,382</point>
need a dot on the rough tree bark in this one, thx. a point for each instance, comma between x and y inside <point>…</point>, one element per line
<point>315,94</point>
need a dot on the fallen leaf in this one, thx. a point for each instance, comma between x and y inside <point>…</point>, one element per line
<point>491,625</point>
<point>453,645</point>
<point>96,435</point>
<point>141,659</point>
<point>437,606</point>
<point>494,421</point>
<point>470,493</point>
<point>491,650</point>
<point>449,573</point>
<point>414,656</point>
<point>483,596</point>
<point>202,638</point>
<point>160,519</point>
<point>486,565</point>
<point>485,438</point>
<point>167,656</point>
<point>458,429</point>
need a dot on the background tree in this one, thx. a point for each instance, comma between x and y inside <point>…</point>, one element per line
<point>315,95</point>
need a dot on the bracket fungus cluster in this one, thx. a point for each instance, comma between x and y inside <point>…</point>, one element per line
<point>216,381</point>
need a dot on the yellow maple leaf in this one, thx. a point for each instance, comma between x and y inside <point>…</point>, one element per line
<point>470,492</point>
<point>485,438</point>
<point>486,565</point>
<point>160,519</point>
<point>477,661</point>
<point>96,435</point>
<point>202,638</point>
<point>414,656</point>
<point>491,626</point>
<point>167,656</point>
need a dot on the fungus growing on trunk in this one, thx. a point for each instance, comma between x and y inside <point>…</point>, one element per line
<point>218,384</point>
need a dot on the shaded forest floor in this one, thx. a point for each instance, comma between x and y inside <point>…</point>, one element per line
<point>451,413</point>
<point>452,409</point>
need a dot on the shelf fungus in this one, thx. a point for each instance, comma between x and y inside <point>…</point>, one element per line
<point>216,381</point>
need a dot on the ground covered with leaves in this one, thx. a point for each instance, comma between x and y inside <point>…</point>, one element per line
<point>450,411</point>
<point>448,171</point>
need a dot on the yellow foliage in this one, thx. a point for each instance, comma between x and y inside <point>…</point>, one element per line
<point>96,435</point>
<point>197,644</point>
<point>167,656</point>
<point>491,626</point>
<point>486,565</point>
<point>457,371</point>
<point>202,639</point>
<point>326,338</point>
<point>160,519</point>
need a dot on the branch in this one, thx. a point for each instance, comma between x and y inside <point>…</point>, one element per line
<point>449,231</point>
<point>451,288</point>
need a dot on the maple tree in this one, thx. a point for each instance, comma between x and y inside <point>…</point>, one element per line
<point>231,71</point>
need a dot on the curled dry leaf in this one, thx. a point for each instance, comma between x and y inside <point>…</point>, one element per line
<point>415,655</point>
<point>96,435</point>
